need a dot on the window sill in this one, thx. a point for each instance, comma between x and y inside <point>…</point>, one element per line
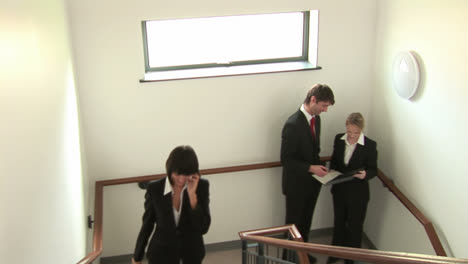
<point>228,71</point>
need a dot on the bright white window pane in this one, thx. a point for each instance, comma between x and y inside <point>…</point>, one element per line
<point>313,37</point>
<point>224,39</point>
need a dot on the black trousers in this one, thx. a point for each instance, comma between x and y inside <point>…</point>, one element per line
<point>350,213</point>
<point>300,209</point>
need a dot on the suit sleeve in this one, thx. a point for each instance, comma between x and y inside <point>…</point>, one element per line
<point>200,216</point>
<point>289,147</point>
<point>335,156</point>
<point>147,227</point>
<point>371,166</point>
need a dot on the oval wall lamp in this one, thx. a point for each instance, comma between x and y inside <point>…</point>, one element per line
<point>405,74</point>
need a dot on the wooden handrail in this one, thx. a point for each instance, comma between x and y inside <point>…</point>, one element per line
<point>290,228</point>
<point>366,255</point>
<point>99,188</point>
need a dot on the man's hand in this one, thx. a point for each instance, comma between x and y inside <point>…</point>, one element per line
<point>135,262</point>
<point>318,170</point>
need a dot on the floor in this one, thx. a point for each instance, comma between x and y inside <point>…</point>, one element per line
<point>224,256</point>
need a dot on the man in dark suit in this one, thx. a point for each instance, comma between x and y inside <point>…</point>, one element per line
<point>300,148</point>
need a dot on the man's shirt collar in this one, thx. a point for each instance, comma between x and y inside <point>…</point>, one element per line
<point>307,115</point>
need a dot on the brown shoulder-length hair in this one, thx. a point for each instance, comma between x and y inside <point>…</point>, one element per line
<point>182,160</point>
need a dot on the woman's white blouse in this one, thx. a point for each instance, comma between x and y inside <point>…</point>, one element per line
<point>176,212</point>
<point>349,148</point>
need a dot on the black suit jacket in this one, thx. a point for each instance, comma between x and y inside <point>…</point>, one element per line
<point>363,157</point>
<point>169,243</point>
<point>299,150</point>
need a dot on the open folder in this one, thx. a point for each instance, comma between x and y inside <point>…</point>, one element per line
<point>333,177</point>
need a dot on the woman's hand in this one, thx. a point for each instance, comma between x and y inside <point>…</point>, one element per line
<point>135,262</point>
<point>360,175</point>
<point>192,185</point>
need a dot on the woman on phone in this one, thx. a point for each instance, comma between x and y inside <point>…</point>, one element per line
<point>179,207</point>
<point>352,151</point>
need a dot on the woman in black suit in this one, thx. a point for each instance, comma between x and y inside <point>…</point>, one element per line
<point>352,151</point>
<point>179,207</point>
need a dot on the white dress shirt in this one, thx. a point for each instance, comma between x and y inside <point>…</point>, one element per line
<point>349,148</point>
<point>307,115</point>
<point>168,189</point>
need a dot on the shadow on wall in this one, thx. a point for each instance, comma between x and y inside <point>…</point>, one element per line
<point>423,78</point>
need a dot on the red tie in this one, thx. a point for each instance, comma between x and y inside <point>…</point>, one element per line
<point>312,126</point>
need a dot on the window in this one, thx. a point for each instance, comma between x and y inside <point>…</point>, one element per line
<point>230,45</point>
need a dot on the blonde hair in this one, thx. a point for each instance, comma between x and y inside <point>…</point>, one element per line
<point>355,119</point>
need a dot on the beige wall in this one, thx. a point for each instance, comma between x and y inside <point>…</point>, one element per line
<point>130,127</point>
<point>41,180</point>
<point>422,142</point>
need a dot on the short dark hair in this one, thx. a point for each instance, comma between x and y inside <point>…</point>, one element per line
<point>322,93</point>
<point>182,160</point>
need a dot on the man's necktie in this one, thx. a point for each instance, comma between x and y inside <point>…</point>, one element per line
<point>312,126</point>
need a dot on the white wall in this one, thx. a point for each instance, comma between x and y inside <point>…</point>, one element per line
<point>422,142</point>
<point>41,184</point>
<point>130,127</point>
